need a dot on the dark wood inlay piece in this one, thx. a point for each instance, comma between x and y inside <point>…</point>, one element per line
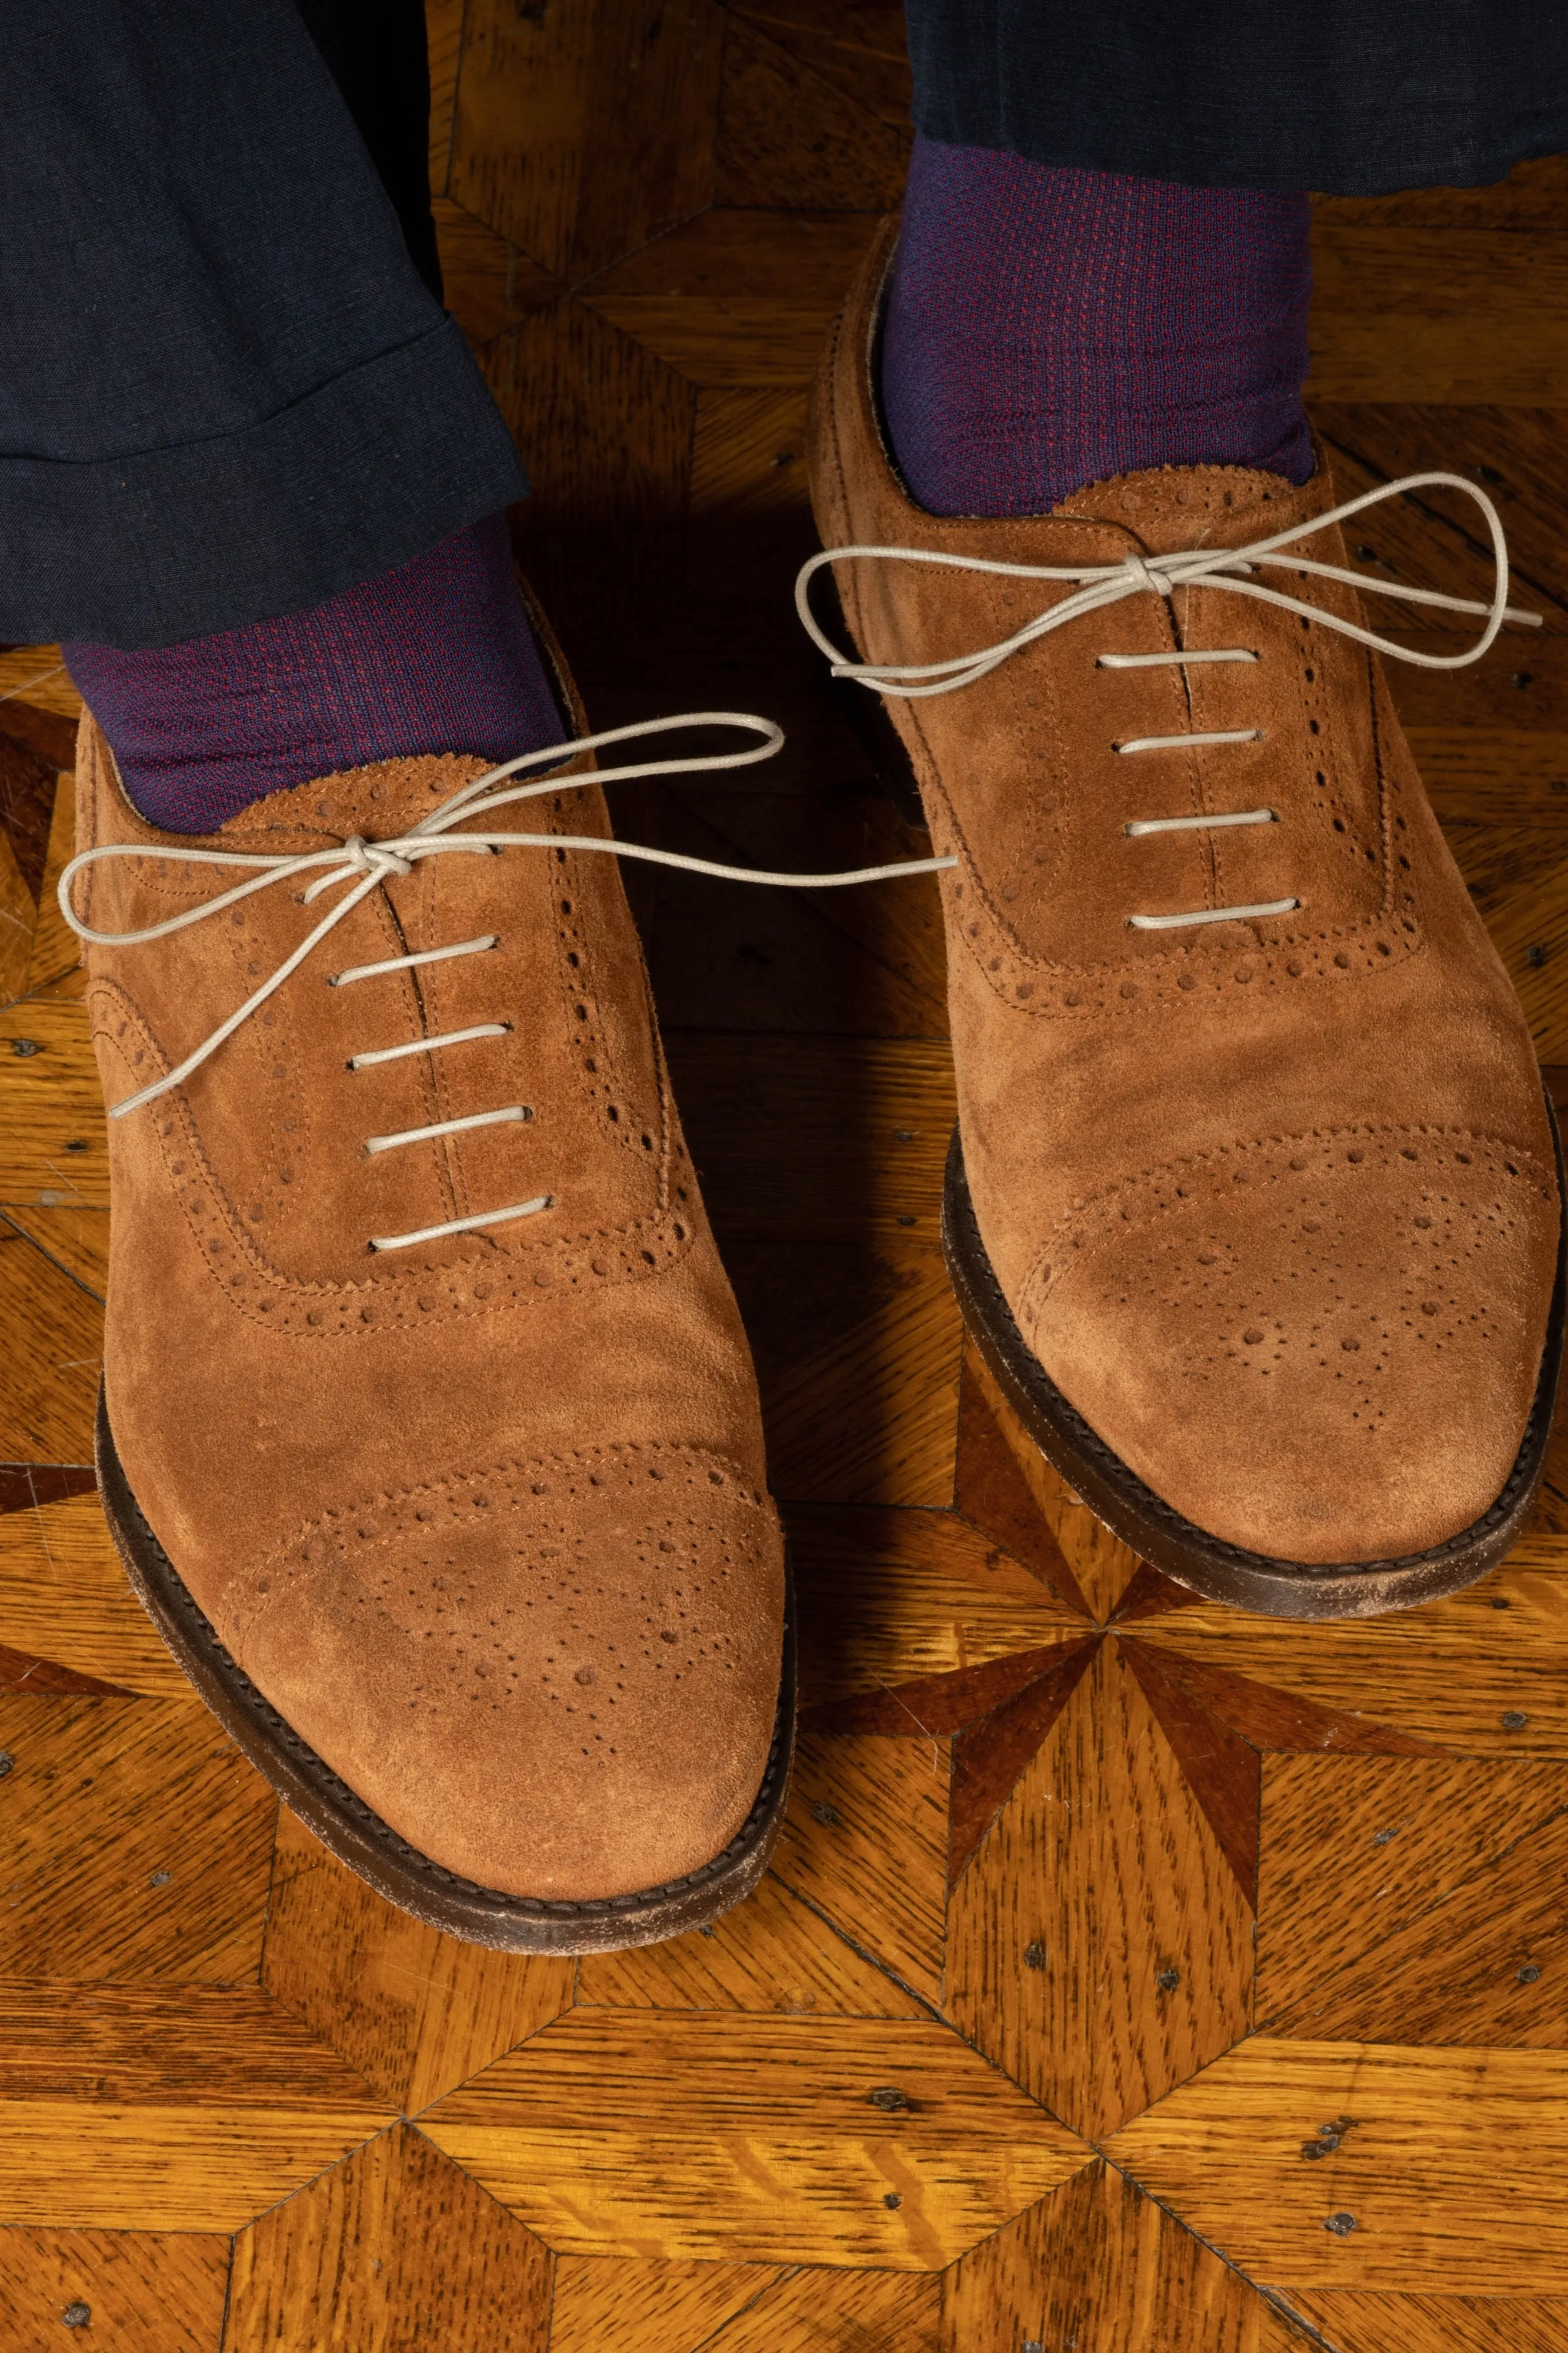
<point>939,1704</point>
<point>1270,1718</point>
<point>20,1672</point>
<point>1152,1594</point>
<point>1223,1772</point>
<point>28,787</point>
<point>992,1492</point>
<point>22,1484</point>
<point>989,1757</point>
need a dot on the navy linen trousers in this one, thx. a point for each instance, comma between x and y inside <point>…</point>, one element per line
<point>228,385</point>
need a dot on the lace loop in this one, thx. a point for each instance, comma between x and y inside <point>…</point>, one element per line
<point>1233,568</point>
<point>366,865</point>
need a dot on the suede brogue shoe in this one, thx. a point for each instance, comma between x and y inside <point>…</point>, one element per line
<point>430,1435</point>
<point>1253,1205</point>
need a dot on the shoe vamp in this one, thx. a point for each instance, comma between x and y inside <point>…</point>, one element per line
<point>557,1678</point>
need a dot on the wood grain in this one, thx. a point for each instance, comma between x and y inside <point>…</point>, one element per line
<point>733,299</point>
<point>63,1596</point>
<point>1415,1900</point>
<point>75,1239</point>
<point>646,219</point>
<point>818,1134</point>
<point>1098,2267</point>
<point>856,1347</point>
<point>143,2293</point>
<point>991,1488</point>
<point>54,967</point>
<point>1448,315</point>
<point>864,1841</point>
<point>1099,1947</point>
<point>1433,2206</point>
<point>848,963</point>
<point>1518,776</point>
<point>1222,1771</point>
<point>488,284</point>
<point>782,2152</point>
<point>989,1755</point>
<point>1270,1718</point>
<point>775,1952</point>
<point>128,2107</point>
<point>443,46</point>
<point>26,799</point>
<point>53,1145</point>
<point>892,1596</point>
<point>37,676</point>
<point>605,431</point>
<point>650,2307</point>
<point>1434,535</point>
<point>396,2248</point>
<point>1533,196</point>
<point>1103,1567</point>
<point>49,1393</point>
<point>414,2011</point>
<point>856,45</point>
<point>20,1672</point>
<point>958,1701</point>
<point>788,137</point>
<point>582,133</point>
<point>18,915</point>
<point>1449,1673</point>
<point>837,2312</point>
<point>1355,2322</point>
<point>138,1842</point>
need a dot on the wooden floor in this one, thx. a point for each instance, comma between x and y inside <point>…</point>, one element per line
<point>1132,1975</point>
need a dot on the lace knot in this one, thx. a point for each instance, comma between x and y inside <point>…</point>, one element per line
<point>1142,576</point>
<point>374,857</point>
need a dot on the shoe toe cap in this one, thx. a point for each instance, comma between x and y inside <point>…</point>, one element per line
<point>1334,1364</point>
<point>558,1680</point>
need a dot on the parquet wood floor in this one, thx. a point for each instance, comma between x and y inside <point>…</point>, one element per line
<point>1132,1975</point>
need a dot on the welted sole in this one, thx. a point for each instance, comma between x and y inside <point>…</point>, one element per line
<point>1158,1533</point>
<point>370,1847</point>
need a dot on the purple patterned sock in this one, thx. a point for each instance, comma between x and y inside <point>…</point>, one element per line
<point>1048,328</point>
<point>436,656</point>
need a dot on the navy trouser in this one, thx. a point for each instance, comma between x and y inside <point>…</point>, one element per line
<point>229,389</point>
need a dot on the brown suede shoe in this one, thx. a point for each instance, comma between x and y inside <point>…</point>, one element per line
<point>1256,1211</point>
<point>429,1433</point>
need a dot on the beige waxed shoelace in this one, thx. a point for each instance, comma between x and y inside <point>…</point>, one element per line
<point>366,865</point>
<point>1232,568</point>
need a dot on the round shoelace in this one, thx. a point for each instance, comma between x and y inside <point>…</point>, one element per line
<point>364,866</point>
<point>1101,586</point>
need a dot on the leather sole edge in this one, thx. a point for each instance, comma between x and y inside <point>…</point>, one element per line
<point>355,1834</point>
<point>1176,1545</point>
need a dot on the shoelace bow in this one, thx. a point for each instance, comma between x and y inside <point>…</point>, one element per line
<point>1234,568</point>
<point>1102,584</point>
<point>366,865</point>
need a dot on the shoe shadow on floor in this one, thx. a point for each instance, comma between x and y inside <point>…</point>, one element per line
<point>807,1047</point>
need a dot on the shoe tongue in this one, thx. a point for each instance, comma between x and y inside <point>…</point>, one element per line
<point>380,801</point>
<point>1176,507</point>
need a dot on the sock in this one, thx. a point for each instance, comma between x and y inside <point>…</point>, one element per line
<point>436,656</point>
<point>1048,328</point>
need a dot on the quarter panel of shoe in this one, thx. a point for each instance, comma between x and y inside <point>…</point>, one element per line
<point>556,1678</point>
<point>1383,1005</point>
<point>240,1391</point>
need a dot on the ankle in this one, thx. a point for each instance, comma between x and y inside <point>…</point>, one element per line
<point>1048,328</point>
<point>435,656</point>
